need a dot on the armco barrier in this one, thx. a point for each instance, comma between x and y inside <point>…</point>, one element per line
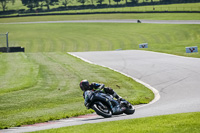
<point>12,49</point>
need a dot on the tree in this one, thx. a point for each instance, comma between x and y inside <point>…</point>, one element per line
<point>117,1</point>
<point>65,2</point>
<point>126,1</point>
<point>31,3</point>
<point>4,3</point>
<point>81,1</point>
<point>50,2</point>
<point>166,1</point>
<point>109,2</point>
<point>13,2</point>
<point>100,1</point>
<point>92,2</point>
<point>134,1</point>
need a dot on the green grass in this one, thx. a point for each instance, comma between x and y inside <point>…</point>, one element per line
<point>176,123</point>
<point>38,87</point>
<point>63,37</point>
<point>149,16</point>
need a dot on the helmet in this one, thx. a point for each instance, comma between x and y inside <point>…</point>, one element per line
<point>84,85</point>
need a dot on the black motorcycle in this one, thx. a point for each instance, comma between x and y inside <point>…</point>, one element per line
<point>103,103</point>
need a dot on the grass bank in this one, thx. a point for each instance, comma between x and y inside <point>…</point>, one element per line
<point>176,123</point>
<point>63,37</point>
<point>38,87</point>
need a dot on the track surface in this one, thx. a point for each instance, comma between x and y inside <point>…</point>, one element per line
<point>176,78</point>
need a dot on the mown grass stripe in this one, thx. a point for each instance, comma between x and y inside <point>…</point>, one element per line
<point>11,79</point>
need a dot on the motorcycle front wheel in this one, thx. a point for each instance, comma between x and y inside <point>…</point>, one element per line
<point>102,109</point>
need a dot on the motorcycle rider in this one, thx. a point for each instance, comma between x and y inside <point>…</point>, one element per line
<point>84,85</point>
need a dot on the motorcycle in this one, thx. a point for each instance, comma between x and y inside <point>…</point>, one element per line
<point>103,103</point>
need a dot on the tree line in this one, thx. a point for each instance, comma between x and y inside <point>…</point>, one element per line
<point>47,3</point>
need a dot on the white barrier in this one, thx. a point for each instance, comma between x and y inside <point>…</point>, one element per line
<point>191,49</point>
<point>143,45</point>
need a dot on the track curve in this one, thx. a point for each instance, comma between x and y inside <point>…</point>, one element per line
<point>175,77</point>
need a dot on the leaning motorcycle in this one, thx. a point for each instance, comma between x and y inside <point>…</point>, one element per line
<point>103,103</point>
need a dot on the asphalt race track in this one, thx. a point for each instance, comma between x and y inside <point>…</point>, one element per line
<point>176,78</point>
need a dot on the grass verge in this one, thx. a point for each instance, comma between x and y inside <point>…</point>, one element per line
<point>45,86</point>
<point>176,123</point>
